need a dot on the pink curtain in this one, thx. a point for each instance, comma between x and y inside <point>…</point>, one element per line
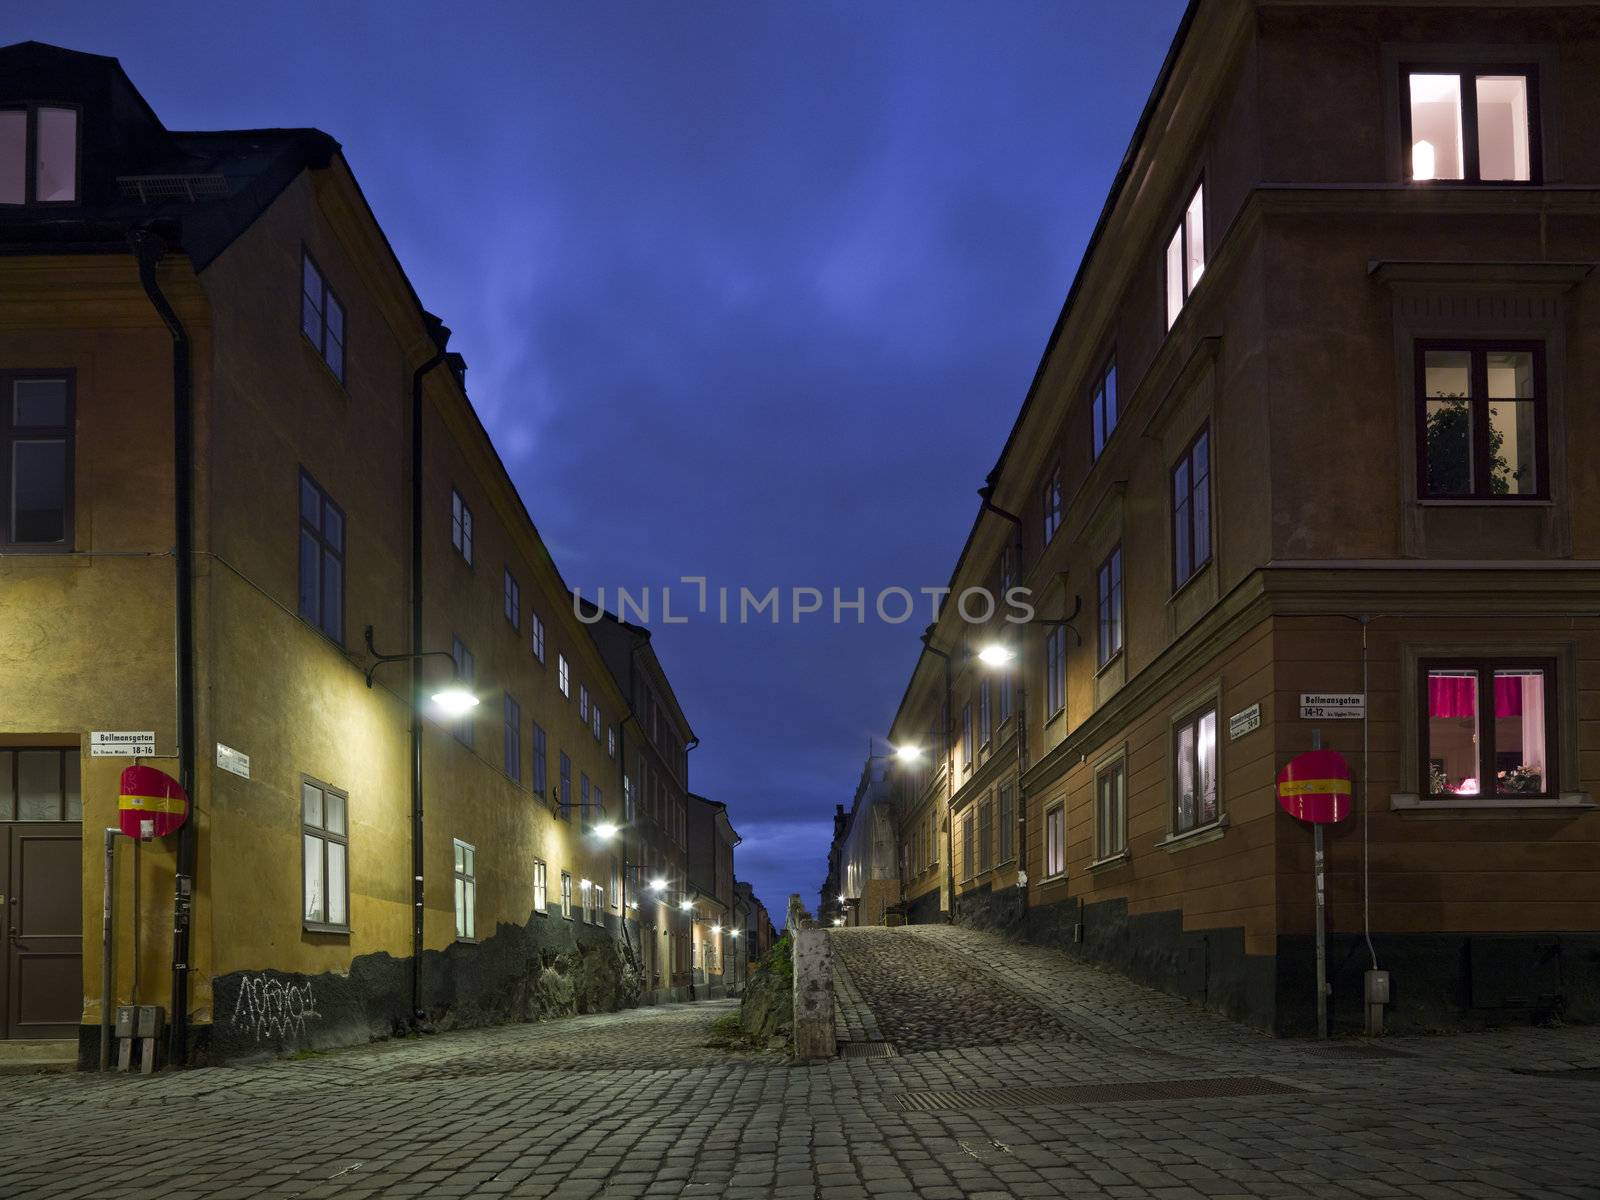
<point>1457,695</point>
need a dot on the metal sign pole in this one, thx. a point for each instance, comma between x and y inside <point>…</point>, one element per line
<point>1322,915</point>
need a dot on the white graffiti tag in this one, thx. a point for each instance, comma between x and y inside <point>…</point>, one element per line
<point>274,1008</point>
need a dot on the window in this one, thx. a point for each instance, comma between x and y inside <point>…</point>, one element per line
<point>540,779</point>
<point>586,900</point>
<point>466,668</point>
<point>566,787</point>
<point>1475,125</point>
<point>594,721</point>
<point>1055,841</point>
<point>583,703</point>
<point>1051,504</point>
<point>461,526</point>
<point>538,635</point>
<point>1469,750</point>
<point>968,860</point>
<point>1008,824</point>
<point>513,599</point>
<point>1191,509</point>
<point>611,741</point>
<point>326,845</point>
<point>627,799</point>
<point>1007,569</point>
<point>563,676</point>
<point>36,423</point>
<point>985,836</point>
<point>466,879</point>
<point>322,316</point>
<point>38,155</point>
<point>616,883</point>
<point>40,785</point>
<point>540,891</point>
<point>583,801</point>
<point>1110,811</point>
<point>566,895</point>
<point>1103,407</point>
<point>513,738</point>
<point>321,560</point>
<point>1055,670</point>
<point>1194,752</point>
<point>597,909</point>
<point>1186,255</point>
<point>1481,420</point>
<point>966,735</point>
<point>599,803</point>
<point>985,714</point>
<point>1109,588</point>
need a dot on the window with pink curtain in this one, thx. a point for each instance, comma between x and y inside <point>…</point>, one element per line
<point>1502,752</point>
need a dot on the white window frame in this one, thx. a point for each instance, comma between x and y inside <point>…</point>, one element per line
<point>1055,841</point>
<point>461,525</point>
<point>1185,258</point>
<point>536,638</point>
<point>464,873</point>
<point>317,840</point>
<point>513,599</point>
<point>541,887</point>
<point>563,676</point>
<point>566,894</point>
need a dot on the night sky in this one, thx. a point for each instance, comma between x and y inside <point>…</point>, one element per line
<point>748,290</point>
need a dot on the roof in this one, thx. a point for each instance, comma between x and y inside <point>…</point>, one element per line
<point>618,642</point>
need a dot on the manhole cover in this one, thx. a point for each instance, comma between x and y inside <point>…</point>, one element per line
<point>866,1050</point>
<point>1096,1093</point>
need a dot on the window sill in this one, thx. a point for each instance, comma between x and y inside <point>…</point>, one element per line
<point>1108,664</point>
<point>1195,574</point>
<point>1483,502</point>
<point>1570,801</point>
<point>468,941</point>
<point>1060,877</point>
<point>313,927</point>
<point>1111,860</point>
<point>539,912</point>
<point>1199,836</point>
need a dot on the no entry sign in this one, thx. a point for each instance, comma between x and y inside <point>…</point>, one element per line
<point>152,796</point>
<point>1315,787</point>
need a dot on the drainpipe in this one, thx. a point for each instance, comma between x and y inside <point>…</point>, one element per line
<point>148,248</point>
<point>417,855</point>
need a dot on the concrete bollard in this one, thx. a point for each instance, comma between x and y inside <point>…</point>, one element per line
<point>814,1036</point>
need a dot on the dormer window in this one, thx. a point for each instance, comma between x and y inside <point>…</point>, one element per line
<point>38,155</point>
<point>1472,125</point>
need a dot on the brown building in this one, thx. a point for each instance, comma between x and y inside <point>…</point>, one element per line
<point>710,895</point>
<point>1312,421</point>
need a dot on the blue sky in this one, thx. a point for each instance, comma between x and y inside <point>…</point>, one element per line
<point>749,291</point>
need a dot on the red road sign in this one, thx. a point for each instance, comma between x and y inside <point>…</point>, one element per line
<point>153,796</point>
<point>1315,787</point>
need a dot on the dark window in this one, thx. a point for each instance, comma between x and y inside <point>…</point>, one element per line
<point>1471,124</point>
<point>966,735</point>
<point>583,802</point>
<point>985,714</point>
<point>1481,420</point>
<point>566,787</point>
<point>466,668</point>
<point>985,836</point>
<point>321,315</point>
<point>1103,407</point>
<point>1186,254</point>
<point>540,779</point>
<point>969,860</point>
<point>321,559</point>
<point>1109,587</point>
<point>1055,671</point>
<point>537,640</point>
<point>1003,686</point>
<point>1050,502</point>
<point>460,525</point>
<point>39,155</point>
<point>513,737</point>
<point>1488,728</point>
<point>36,422</point>
<point>1194,745</point>
<point>1008,824</point>
<point>513,600</point>
<point>1191,508</point>
<point>40,784</point>
<point>1111,808</point>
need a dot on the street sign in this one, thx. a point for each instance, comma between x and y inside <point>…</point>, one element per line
<point>151,803</point>
<point>123,744</point>
<point>1333,706</point>
<point>1315,787</point>
<point>1244,722</point>
<point>233,760</point>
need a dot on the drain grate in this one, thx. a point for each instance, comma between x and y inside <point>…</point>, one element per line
<point>1096,1093</point>
<point>867,1050</point>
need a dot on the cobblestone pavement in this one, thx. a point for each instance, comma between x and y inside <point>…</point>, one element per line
<point>636,1104</point>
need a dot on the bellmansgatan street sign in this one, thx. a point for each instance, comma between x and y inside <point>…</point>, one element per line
<point>1333,706</point>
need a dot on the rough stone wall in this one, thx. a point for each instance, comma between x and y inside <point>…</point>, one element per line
<point>767,1009</point>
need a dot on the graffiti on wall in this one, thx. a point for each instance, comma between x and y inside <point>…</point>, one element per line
<point>275,1008</point>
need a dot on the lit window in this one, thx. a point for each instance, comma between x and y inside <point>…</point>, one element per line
<point>52,175</point>
<point>1490,729</point>
<point>1111,802</point>
<point>466,881</point>
<point>36,426</point>
<point>583,702</point>
<point>321,315</point>
<point>611,741</point>
<point>1471,125</point>
<point>321,559</point>
<point>594,721</point>
<point>538,635</point>
<point>460,525</point>
<point>1480,417</point>
<point>513,738</point>
<point>1186,255</point>
<point>563,676</point>
<point>1109,588</point>
<point>1055,670</point>
<point>566,895</point>
<point>326,846</point>
<point>1103,407</point>
<point>1191,508</point>
<point>1055,841</point>
<point>540,891</point>
<point>512,599</point>
<point>1050,504</point>
<point>1195,781</point>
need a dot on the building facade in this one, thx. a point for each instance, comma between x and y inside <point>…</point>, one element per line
<point>250,510</point>
<point>710,893</point>
<point>1311,426</point>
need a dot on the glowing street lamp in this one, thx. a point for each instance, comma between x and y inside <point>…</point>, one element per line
<point>454,700</point>
<point>908,753</point>
<point>716,929</point>
<point>658,885</point>
<point>605,831</point>
<point>996,655</point>
<point>687,906</point>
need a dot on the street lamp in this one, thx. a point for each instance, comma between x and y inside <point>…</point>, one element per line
<point>996,654</point>
<point>907,754</point>
<point>658,885</point>
<point>606,830</point>
<point>453,700</point>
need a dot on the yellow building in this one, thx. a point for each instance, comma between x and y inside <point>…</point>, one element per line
<point>350,876</point>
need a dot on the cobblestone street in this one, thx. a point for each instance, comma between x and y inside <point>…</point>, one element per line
<point>1149,1098</point>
